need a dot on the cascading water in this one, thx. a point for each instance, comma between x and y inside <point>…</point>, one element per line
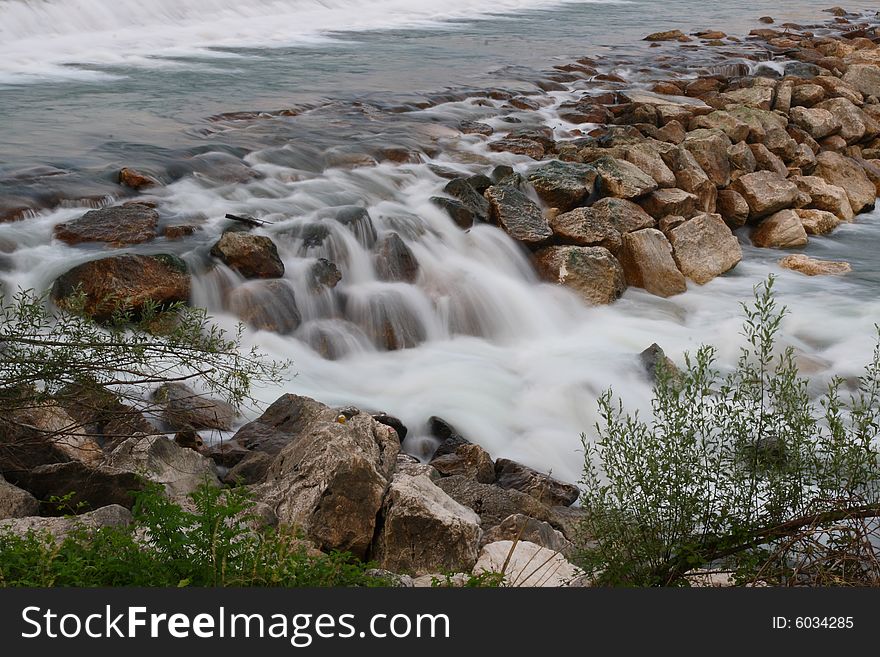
<point>513,363</point>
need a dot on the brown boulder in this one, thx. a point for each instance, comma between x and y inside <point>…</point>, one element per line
<point>125,283</point>
<point>845,172</point>
<point>817,222</point>
<point>646,258</point>
<point>623,179</point>
<point>853,121</point>
<point>765,193</point>
<point>515,212</point>
<point>818,122</point>
<point>135,179</point>
<point>813,266</point>
<point>590,271</point>
<point>704,247</point>
<point>563,185</point>
<point>733,208</point>
<point>117,226</point>
<point>709,148</point>
<point>690,177</point>
<point>603,223</point>
<point>865,78</point>
<point>252,256</point>
<point>823,196</point>
<point>676,201</point>
<point>765,160</point>
<point>782,230</point>
<point>468,460</point>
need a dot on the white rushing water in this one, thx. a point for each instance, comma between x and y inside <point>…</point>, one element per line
<point>42,38</point>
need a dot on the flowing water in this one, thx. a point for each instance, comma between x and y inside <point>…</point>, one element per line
<point>88,86</point>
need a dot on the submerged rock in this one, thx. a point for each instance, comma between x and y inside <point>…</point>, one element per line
<point>813,266</point>
<point>118,226</point>
<point>395,261</point>
<point>266,305</point>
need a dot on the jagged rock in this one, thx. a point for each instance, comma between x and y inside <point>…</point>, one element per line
<point>422,529</point>
<point>735,129</point>
<point>517,214</point>
<point>135,179</point>
<point>817,222</point>
<point>465,459</point>
<point>603,223</point>
<point>83,486</point>
<point>183,407</point>
<point>591,271</point>
<point>395,261</point>
<point>733,208</point>
<point>543,487</point>
<point>813,266</point>
<point>758,96</point>
<point>492,503</point>
<point>160,460</point>
<point>842,171</point>
<point>123,283</point>
<point>457,211</point>
<point>653,358</point>
<point>854,123</point>
<point>18,503</point>
<point>118,226</point>
<point>563,185</point>
<point>704,247</point>
<point>646,258</point>
<point>765,193</point>
<point>709,148</point>
<point>804,158</point>
<point>252,469</point>
<point>522,528</point>
<point>865,78</point>
<point>393,422</point>
<point>742,159</point>
<point>690,177</point>
<point>823,196</point>
<point>473,201</point>
<point>252,256</point>
<point>107,516</point>
<point>526,564</point>
<point>807,95</point>
<point>330,477</point>
<point>622,179</point>
<point>818,123</point>
<point>782,230</point>
<point>646,156</point>
<point>324,275</point>
<point>765,160</point>
<point>676,201</point>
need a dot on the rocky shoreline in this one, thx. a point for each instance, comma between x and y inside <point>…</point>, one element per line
<point>647,188</point>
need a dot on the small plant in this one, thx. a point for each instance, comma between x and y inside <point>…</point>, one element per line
<point>743,472</point>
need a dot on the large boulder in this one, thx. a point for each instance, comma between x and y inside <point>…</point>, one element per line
<point>330,478</point>
<point>123,225</point>
<point>842,171</point>
<point>765,192</point>
<point>465,459</point>
<point>111,515</point>
<point>563,185</point>
<point>854,123</point>
<point>647,157</point>
<point>123,283</point>
<point>395,261</point>
<point>252,256</point>
<point>733,208</point>
<point>83,487</point>
<point>16,502</point>
<point>817,222</point>
<point>423,530</point>
<point>819,123</point>
<point>782,230</point>
<point>623,179</point>
<point>602,224</point>
<point>158,459</point>
<point>865,78</point>
<point>475,207</point>
<point>766,160</point>
<point>526,564</point>
<point>543,487</point>
<point>735,129</point>
<point>664,202</point>
<point>646,258</point>
<point>591,271</point>
<point>184,407</point>
<point>823,196</point>
<point>515,212</point>
<point>709,148</point>
<point>704,247</point>
<point>492,503</point>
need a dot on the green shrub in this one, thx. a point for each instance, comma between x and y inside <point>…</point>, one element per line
<point>213,545</point>
<point>741,471</point>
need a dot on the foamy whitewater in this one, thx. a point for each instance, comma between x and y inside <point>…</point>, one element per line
<point>516,365</point>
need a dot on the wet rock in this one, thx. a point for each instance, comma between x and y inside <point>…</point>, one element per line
<point>590,271</point>
<point>646,258</point>
<point>845,172</point>
<point>459,213</point>
<point>704,247</point>
<point>823,196</point>
<point>603,223</point>
<point>178,232</point>
<point>107,516</point>
<point>526,564</point>
<point>181,471</point>
<point>622,179</point>
<point>395,261</point>
<point>331,476</point>
<point>492,503</point>
<point>463,191</point>
<point>813,266</point>
<point>252,256</point>
<point>675,201</point>
<point>136,180</point>
<point>733,208</point>
<point>782,230</point>
<point>124,283</point>
<point>865,78</point>
<point>324,275</point>
<point>468,460</point>
<point>475,128</point>
<point>422,529</point>
<point>544,488</point>
<point>817,222</point>
<point>668,35</point>
<point>818,122</point>
<point>527,147</point>
<point>563,185</point>
<point>517,214</point>
<point>183,407</point>
<point>117,226</point>
<point>656,362</point>
<point>358,221</point>
<point>709,148</point>
<point>765,192</point>
<point>267,305</point>
<point>522,528</point>
<point>18,503</point>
